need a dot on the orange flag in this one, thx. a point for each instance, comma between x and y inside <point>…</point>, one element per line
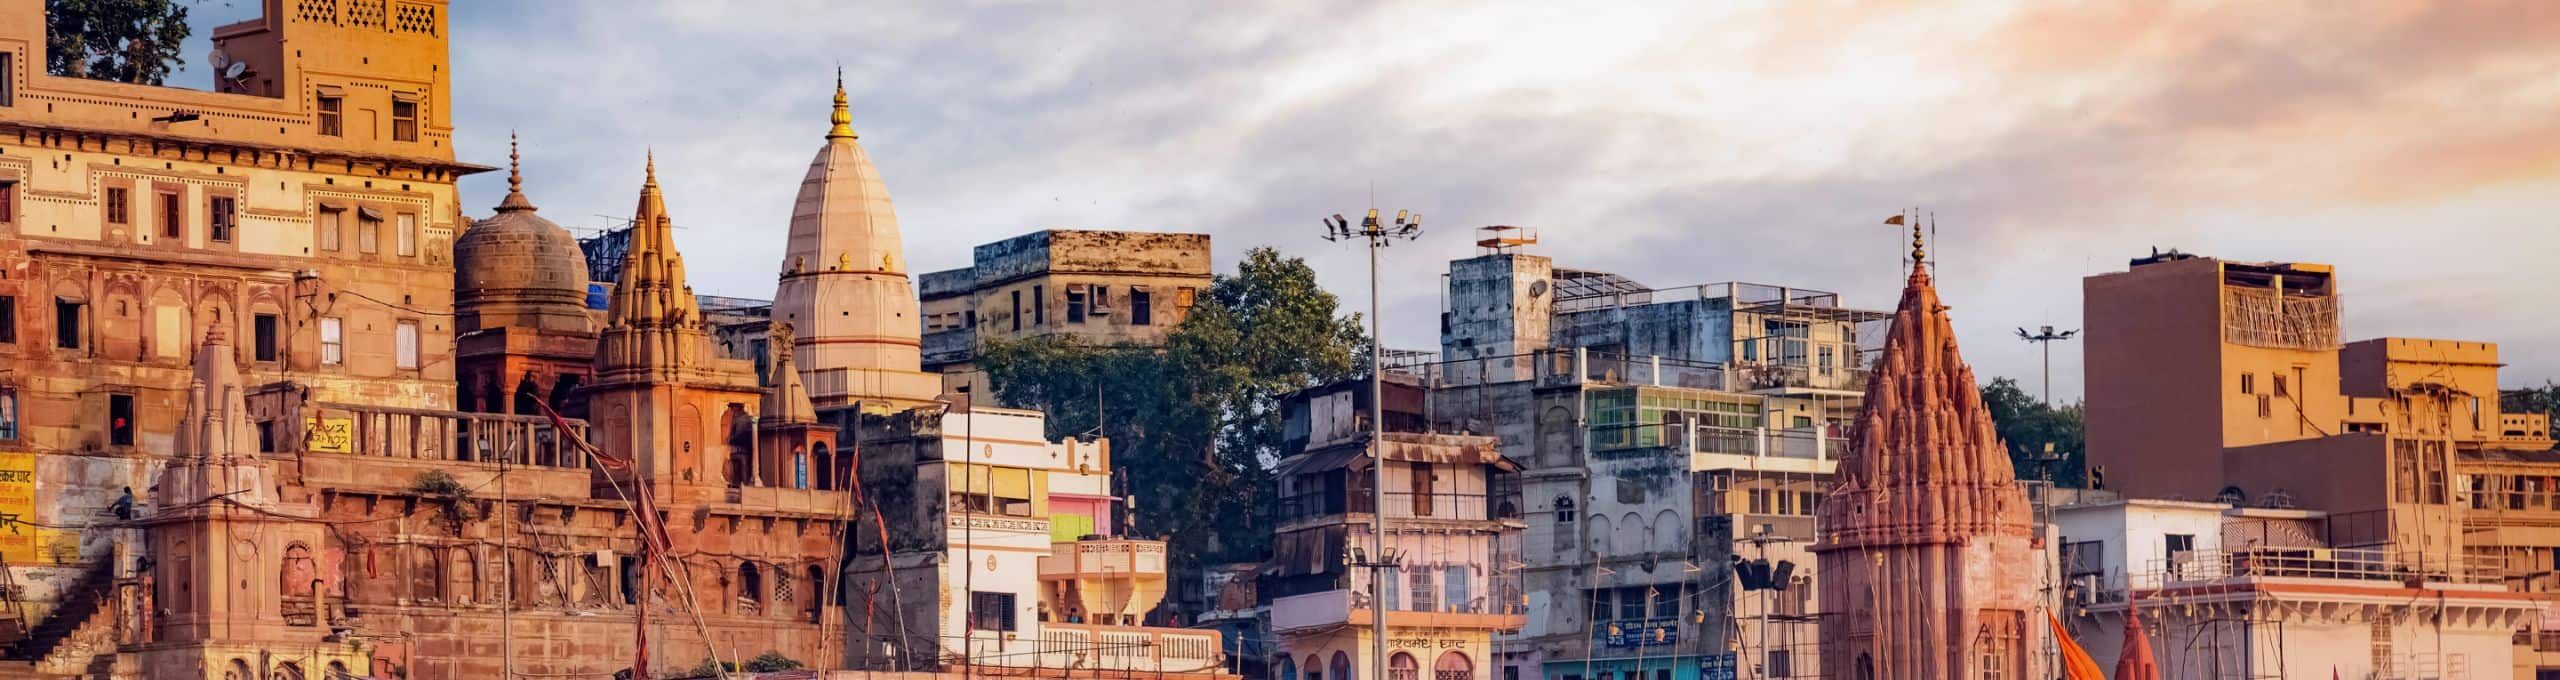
<point>2076,664</point>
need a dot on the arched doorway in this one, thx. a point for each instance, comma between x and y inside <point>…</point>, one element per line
<point>1453,665</point>
<point>1401,666</point>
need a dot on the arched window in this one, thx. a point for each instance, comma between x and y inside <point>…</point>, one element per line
<point>528,397</point>
<point>298,575</point>
<point>1288,668</point>
<point>750,588</point>
<point>426,576</point>
<point>1315,669</point>
<point>1341,666</point>
<point>565,398</point>
<point>338,670</point>
<point>814,605</point>
<point>239,670</point>
<point>466,578</point>
<point>288,671</point>
<point>824,460</point>
<point>1453,665</point>
<point>1401,666</point>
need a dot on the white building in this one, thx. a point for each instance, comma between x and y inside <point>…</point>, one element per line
<point>1002,552</point>
<point>2260,593</point>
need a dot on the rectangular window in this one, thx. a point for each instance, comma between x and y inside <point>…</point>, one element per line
<point>2280,386</point>
<point>404,121</point>
<point>1141,307</point>
<point>2248,383</point>
<point>327,225</point>
<point>1101,300</point>
<point>1426,597</point>
<point>1631,603</point>
<point>1039,306</point>
<point>8,201</point>
<point>8,415</point>
<point>368,234</point>
<point>8,319</point>
<point>1666,603</point>
<point>333,346</point>
<point>118,210</point>
<point>8,83</point>
<point>1075,303</point>
<point>406,232</point>
<point>170,214</point>
<point>1780,665</point>
<point>66,324</point>
<point>1017,309</point>
<point>120,420</point>
<point>222,213</point>
<point>333,111</point>
<point>405,340</point>
<point>1826,360</point>
<point>2179,543</point>
<point>990,611</point>
<point>264,327</point>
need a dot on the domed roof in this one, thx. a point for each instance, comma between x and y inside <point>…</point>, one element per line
<point>517,269</point>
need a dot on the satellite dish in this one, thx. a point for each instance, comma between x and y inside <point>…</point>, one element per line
<point>221,60</point>
<point>237,69</point>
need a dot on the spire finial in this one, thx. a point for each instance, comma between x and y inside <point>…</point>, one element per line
<point>843,116</point>
<point>515,200</point>
<point>1918,253</point>
<point>652,168</point>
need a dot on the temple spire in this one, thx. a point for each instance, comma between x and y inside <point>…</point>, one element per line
<point>515,200</point>
<point>843,116</point>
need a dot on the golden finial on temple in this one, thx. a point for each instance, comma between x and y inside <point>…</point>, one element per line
<point>843,116</point>
<point>1918,254</point>
<point>652,168</point>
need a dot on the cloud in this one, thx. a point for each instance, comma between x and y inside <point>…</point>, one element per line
<point>2412,144</point>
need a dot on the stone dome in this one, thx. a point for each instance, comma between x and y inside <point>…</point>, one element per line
<point>517,269</point>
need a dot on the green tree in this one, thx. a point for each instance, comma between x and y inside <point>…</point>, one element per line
<point>2028,425</point>
<point>133,41</point>
<point>1195,424</point>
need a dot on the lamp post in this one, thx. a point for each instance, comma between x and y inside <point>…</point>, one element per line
<point>1379,235</point>
<point>2045,339</point>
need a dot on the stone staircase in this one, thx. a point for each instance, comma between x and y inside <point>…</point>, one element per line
<point>74,635</point>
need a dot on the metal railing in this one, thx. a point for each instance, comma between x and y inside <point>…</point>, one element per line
<point>2325,563</point>
<point>1400,505</point>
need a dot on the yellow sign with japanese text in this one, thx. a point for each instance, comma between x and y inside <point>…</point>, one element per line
<point>329,435</point>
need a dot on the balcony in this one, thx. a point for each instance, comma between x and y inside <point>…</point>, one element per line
<point>950,345</point>
<point>1344,607</point>
<point>2318,563</point>
<point>1135,649</point>
<point>1104,558</point>
<point>386,448</point>
<point>1455,507</point>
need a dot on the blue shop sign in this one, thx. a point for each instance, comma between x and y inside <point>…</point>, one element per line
<point>1716,667</point>
<point>1643,633</point>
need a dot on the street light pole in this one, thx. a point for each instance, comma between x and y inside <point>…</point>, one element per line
<point>1379,236</point>
<point>2045,340</point>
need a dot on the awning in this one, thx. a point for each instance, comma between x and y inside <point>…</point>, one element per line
<point>1341,457</point>
<point>369,213</point>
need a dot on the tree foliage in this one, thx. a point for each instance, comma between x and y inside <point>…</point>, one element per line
<point>132,41</point>
<point>1195,424</point>
<point>2028,424</point>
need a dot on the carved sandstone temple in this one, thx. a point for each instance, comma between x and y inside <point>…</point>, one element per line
<point>1927,547</point>
<point>844,284</point>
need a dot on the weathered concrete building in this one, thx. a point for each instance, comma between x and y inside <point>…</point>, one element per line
<point>994,549</point>
<point>2212,379</point>
<point>294,208</point>
<point>2263,593</point>
<point>1657,443</point>
<point>1451,526</point>
<point>1098,287</point>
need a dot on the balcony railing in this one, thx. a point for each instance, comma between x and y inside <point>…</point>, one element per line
<point>419,434</point>
<point>1077,646</point>
<point>1400,505</point>
<point>2322,563</point>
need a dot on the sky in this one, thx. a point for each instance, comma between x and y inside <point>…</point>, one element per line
<point>2414,145</point>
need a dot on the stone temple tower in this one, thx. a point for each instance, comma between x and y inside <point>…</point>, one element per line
<point>844,284</point>
<point>1928,558</point>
